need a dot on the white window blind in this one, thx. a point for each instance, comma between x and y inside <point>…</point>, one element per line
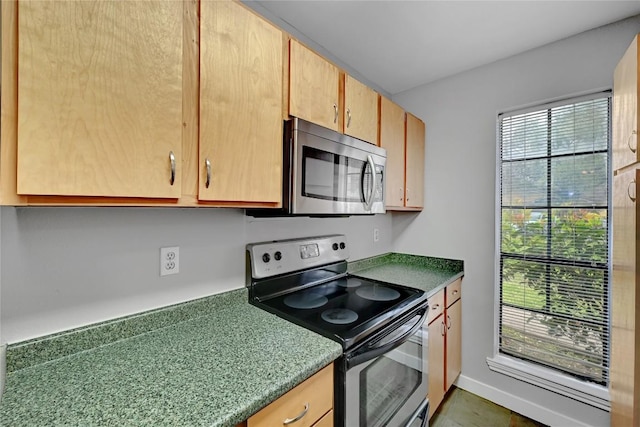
<point>554,254</point>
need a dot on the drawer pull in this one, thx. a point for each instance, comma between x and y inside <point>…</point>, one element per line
<point>435,307</point>
<point>633,198</point>
<point>442,328</point>
<point>298,417</point>
<point>335,113</point>
<point>633,150</point>
<point>348,117</point>
<point>448,322</point>
<point>455,291</point>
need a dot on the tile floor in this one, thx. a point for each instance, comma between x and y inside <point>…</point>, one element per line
<point>463,409</point>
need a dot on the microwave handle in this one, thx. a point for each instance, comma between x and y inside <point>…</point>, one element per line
<point>369,202</point>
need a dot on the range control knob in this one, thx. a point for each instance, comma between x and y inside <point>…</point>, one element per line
<point>277,256</point>
<point>335,246</point>
<point>342,245</point>
<point>266,257</point>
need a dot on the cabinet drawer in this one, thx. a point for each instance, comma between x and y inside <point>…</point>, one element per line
<point>436,306</point>
<point>316,392</point>
<point>326,421</point>
<point>453,292</point>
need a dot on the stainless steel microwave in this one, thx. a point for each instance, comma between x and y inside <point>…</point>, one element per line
<point>327,173</point>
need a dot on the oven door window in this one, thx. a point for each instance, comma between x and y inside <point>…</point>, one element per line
<point>329,176</point>
<point>388,383</point>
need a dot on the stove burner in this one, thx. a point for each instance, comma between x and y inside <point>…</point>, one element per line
<point>340,316</point>
<point>378,293</point>
<point>350,283</point>
<point>306,300</point>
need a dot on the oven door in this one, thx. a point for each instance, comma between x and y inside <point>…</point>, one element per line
<point>387,380</point>
<point>335,174</point>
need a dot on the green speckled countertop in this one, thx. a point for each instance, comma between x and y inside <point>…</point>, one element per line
<point>213,362</point>
<point>427,273</point>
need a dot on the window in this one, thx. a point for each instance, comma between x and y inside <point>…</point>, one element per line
<point>553,246</point>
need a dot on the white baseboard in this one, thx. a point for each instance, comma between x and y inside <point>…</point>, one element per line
<point>517,404</point>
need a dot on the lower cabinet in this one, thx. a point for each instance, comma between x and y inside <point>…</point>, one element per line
<point>308,404</point>
<point>445,343</point>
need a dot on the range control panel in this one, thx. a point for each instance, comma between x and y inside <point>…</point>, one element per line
<point>277,257</point>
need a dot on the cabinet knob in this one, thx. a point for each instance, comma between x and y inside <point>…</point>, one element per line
<point>348,117</point>
<point>335,113</point>
<point>172,161</point>
<point>633,198</point>
<point>633,150</point>
<point>207,164</point>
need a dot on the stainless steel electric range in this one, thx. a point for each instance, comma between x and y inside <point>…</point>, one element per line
<point>381,379</point>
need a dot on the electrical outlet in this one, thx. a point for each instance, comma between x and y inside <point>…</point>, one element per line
<point>376,234</point>
<point>169,260</point>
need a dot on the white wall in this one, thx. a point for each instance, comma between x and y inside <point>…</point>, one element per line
<point>67,267</point>
<point>459,218</point>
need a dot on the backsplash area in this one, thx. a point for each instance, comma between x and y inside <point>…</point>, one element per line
<point>63,268</point>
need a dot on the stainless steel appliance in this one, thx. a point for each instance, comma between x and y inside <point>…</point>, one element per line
<point>382,377</point>
<point>328,173</point>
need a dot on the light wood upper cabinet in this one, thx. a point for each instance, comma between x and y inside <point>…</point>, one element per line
<point>414,188</point>
<point>314,87</point>
<point>392,138</point>
<point>99,98</point>
<point>625,317</point>
<point>403,136</point>
<point>241,78</point>
<point>360,111</point>
<point>625,106</point>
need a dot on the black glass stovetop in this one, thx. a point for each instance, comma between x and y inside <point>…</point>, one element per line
<point>348,309</point>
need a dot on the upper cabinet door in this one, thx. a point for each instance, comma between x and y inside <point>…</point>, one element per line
<point>625,109</point>
<point>100,98</point>
<point>392,126</point>
<point>414,191</point>
<point>314,89</point>
<point>360,111</point>
<point>241,75</point>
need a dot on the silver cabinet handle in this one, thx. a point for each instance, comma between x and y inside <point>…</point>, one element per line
<point>633,198</point>
<point>207,164</point>
<point>298,417</point>
<point>348,117</point>
<point>335,113</point>
<point>442,328</point>
<point>172,160</point>
<point>455,291</point>
<point>435,307</point>
<point>633,150</point>
<point>448,322</point>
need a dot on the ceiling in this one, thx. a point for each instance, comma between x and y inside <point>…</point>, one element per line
<point>398,45</point>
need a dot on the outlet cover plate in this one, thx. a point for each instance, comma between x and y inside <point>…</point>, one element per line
<point>169,260</point>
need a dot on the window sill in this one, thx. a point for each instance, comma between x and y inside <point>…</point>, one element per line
<point>591,394</point>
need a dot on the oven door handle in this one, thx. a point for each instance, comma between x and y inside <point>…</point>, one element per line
<point>387,343</point>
